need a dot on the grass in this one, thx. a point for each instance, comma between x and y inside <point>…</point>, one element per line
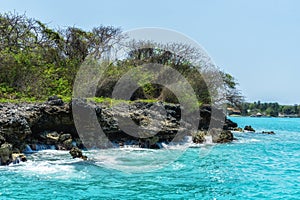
<point>104,100</point>
<point>113,102</point>
<point>21,100</point>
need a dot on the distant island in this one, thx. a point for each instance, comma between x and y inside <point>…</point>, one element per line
<point>259,109</point>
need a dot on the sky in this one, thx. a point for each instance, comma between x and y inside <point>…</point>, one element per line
<point>258,42</point>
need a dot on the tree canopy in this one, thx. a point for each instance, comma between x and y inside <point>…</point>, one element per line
<point>37,61</point>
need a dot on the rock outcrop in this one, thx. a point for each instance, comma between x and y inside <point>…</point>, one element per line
<point>217,136</point>
<point>77,153</point>
<point>249,128</point>
<point>52,124</point>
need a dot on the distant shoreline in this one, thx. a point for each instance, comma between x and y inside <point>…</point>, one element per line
<point>262,116</point>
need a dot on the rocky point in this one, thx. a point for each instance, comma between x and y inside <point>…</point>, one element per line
<point>30,125</point>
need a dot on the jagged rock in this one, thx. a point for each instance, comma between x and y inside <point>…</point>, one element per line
<point>221,136</point>
<point>249,128</point>
<point>64,137</point>
<point>5,154</point>
<point>55,101</point>
<point>16,157</point>
<point>218,136</point>
<point>77,153</point>
<point>225,136</point>
<point>199,137</point>
<point>22,124</point>
<point>52,138</point>
<point>239,129</point>
<point>68,144</point>
<point>230,125</point>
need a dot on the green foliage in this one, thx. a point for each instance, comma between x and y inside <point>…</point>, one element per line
<point>37,62</point>
<point>269,109</point>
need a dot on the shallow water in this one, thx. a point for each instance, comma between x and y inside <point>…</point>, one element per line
<point>256,166</point>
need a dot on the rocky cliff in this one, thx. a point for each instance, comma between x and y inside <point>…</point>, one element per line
<point>52,123</point>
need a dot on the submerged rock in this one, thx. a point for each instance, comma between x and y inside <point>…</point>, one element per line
<point>268,132</point>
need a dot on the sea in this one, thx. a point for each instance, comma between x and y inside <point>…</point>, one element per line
<point>254,166</point>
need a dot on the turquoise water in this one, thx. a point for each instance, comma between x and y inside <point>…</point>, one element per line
<point>256,166</point>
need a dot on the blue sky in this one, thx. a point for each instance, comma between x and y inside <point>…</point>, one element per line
<point>258,42</point>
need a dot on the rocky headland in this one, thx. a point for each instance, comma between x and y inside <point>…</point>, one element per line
<point>34,126</point>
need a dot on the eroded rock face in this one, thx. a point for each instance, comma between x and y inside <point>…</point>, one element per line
<point>52,123</point>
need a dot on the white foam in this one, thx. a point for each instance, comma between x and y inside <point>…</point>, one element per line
<point>133,160</point>
<point>49,164</point>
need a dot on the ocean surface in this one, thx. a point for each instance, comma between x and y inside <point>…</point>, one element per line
<point>255,166</point>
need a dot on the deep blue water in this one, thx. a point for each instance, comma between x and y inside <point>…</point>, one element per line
<point>256,166</point>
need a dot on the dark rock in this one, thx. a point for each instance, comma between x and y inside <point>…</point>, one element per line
<point>22,124</point>
<point>64,137</point>
<point>5,154</point>
<point>249,128</point>
<point>55,101</point>
<point>268,132</point>
<point>230,125</point>
<point>68,144</point>
<point>52,137</point>
<point>16,157</point>
<point>77,153</point>
<point>2,140</point>
<point>239,129</point>
<point>198,137</point>
<point>221,136</point>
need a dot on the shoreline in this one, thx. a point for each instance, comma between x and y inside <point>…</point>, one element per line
<point>52,123</point>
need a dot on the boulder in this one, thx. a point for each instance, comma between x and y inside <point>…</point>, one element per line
<point>230,125</point>
<point>198,137</point>
<point>221,136</point>
<point>5,154</point>
<point>239,129</point>
<point>52,137</point>
<point>68,144</point>
<point>64,137</point>
<point>17,157</point>
<point>77,153</point>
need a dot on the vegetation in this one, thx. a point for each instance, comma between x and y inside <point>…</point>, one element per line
<point>37,62</point>
<point>270,109</point>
